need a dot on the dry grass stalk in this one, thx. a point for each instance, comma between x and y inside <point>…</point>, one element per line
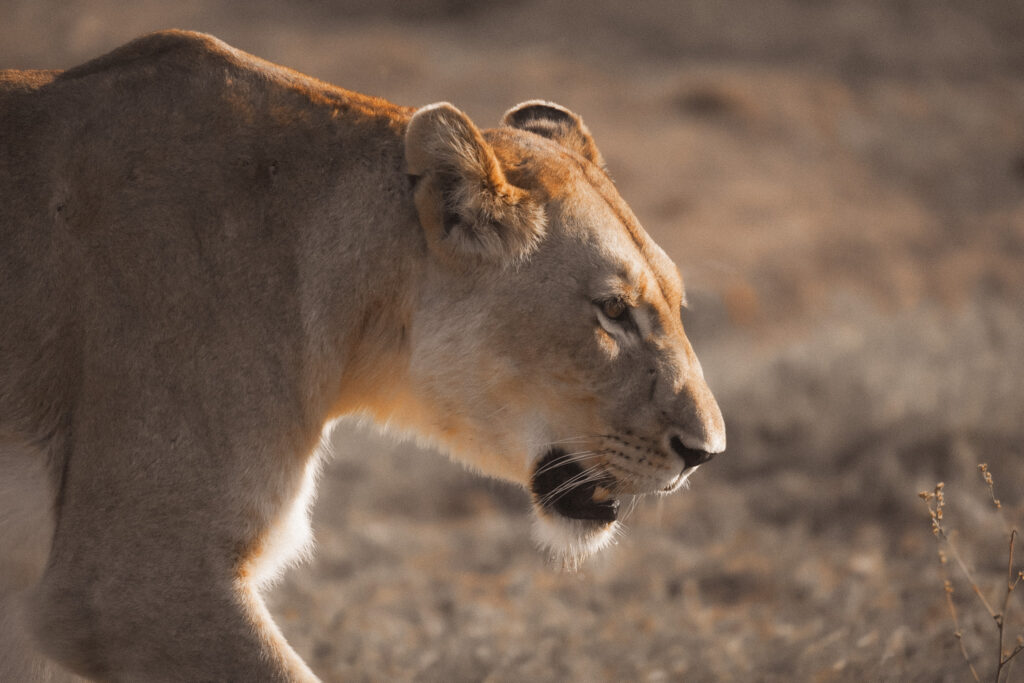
<point>987,476</point>
<point>935,500</point>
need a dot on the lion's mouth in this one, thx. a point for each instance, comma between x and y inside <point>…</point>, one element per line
<point>560,485</point>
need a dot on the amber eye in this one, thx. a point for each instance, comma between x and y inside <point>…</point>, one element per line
<point>614,309</point>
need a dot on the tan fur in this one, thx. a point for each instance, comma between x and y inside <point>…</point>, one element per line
<point>205,257</point>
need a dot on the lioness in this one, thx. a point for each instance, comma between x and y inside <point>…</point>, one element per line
<point>205,258</point>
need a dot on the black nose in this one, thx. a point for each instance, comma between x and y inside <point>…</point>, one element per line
<point>691,456</point>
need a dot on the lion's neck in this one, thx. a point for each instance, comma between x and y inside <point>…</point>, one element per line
<point>363,252</point>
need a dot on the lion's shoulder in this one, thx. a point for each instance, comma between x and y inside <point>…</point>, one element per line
<point>172,45</point>
<point>185,48</point>
<point>160,60</point>
<point>193,63</point>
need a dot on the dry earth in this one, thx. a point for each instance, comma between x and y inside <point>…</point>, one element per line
<point>843,186</point>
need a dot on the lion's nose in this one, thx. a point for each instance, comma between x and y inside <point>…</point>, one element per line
<point>691,456</point>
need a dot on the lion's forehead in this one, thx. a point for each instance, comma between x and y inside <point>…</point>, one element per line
<point>642,264</point>
<point>587,194</point>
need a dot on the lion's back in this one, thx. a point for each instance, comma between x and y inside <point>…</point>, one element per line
<point>83,152</point>
<point>60,129</point>
<point>77,149</point>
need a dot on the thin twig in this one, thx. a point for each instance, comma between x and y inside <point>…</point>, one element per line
<point>1011,584</point>
<point>940,535</point>
<point>1003,659</point>
<point>940,531</point>
<point>1001,620</point>
<point>970,577</point>
<point>956,619</point>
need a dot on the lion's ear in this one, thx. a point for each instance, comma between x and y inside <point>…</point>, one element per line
<point>465,204</point>
<point>557,123</point>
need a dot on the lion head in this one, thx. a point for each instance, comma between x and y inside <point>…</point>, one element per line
<point>547,345</point>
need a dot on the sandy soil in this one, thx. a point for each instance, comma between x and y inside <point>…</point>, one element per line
<point>842,184</point>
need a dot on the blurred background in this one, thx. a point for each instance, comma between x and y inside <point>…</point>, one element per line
<point>842,185</point>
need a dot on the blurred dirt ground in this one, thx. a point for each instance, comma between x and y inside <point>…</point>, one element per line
<point>842,184</point>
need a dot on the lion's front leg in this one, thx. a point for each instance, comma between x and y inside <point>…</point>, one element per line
<point>149,635</point>
<point>151,575</point>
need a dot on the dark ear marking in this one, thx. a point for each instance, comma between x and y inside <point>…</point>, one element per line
<point>556,123</point>
<point>450,216</point>
<point>449,221</point>
<point>540,115</point>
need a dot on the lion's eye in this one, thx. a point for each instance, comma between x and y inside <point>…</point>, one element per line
<point>614,309</point>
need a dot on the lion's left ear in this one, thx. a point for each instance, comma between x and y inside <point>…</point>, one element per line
<point>465,204</point>
<point>557,123</point>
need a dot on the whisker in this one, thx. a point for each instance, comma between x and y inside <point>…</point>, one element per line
<point>566,486</point>
<point>631,506</point>
<point>565,460</point>
<point>500,409</point>
<point>573,481</point>
<point>569,439</point>
<point>584,477</point>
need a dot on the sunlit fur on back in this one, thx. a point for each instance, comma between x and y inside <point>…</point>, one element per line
<point>205,258</point>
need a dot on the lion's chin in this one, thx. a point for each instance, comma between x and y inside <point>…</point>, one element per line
<point>571,541</point>
<point>575,514</point>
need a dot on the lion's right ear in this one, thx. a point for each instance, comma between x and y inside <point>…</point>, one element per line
<point>465,204</point>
